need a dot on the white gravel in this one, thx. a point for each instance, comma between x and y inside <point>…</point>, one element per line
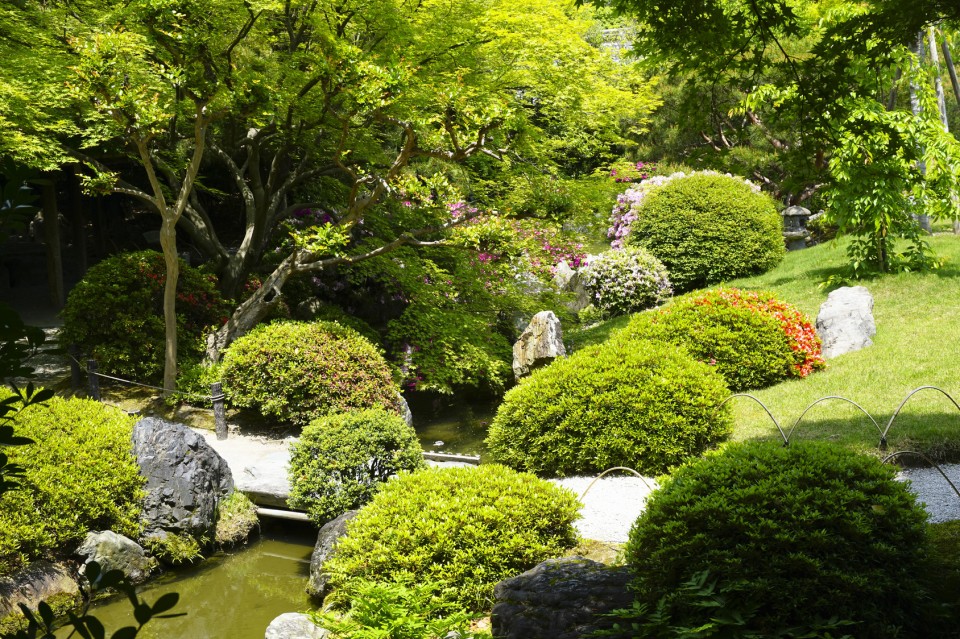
<point>611,505</point>
<point>940,500</point>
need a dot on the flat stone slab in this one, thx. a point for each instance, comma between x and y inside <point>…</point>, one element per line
<point>260,465</point>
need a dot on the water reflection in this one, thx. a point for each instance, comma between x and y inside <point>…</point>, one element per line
<point>452,424</point>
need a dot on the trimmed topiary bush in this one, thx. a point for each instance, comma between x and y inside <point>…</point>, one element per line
<point>753,339</point>
<point>341,460</point>
<point>300,371</point>
<point>709,228</point>
<point>80,475</point>
<point>626,280</point>
<point>115,314</point>
<point>464,529</point>
<point>793,535</point>
<point>645,405</point>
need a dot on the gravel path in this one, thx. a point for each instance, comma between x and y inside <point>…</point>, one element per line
<point>610,506</point>
<point>940,500</point>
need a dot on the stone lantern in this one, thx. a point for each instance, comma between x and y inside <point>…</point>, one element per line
<point>795,231</point>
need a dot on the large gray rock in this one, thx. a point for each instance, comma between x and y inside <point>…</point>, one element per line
<point>326,544</point>
<point>559,599</point>
<point>539,344</point>
<point>294,625</point>
<point>186,479</point>
<point>116,552</point>
<point>40,581</point>
<point>845,321</point>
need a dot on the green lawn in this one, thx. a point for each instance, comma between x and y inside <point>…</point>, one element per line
<point>917,344</point>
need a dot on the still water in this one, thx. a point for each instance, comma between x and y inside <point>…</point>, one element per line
<point>232,595</point>
<point>452,424</point>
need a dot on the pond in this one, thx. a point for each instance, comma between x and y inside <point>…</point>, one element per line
<point>451,424</point>
<point>232,595</point>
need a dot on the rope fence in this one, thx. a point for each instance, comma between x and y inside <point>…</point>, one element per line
<point>216,396</point>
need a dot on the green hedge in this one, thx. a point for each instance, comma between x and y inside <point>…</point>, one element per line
<point>341,460</point>
<point>793,535</point>
<point>115,314</point>
<point>464,529</point>
<point>80,476</point>
<point>299,371</point>
<point>709,228</point>
<point>645,405</point>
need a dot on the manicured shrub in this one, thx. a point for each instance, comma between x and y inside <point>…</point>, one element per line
<point>795,535</point>
<point>115,314</point>
<point>645,405</point>
<point>626,280</point>
<point>464,529</point>
<point>341,460</point>
<point>297,371</point>
<point>753,339</point>
<point>80,475</point>
<point>709,228</point>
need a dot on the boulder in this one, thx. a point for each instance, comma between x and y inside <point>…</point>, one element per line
<point>845,321</point>
<point>323,550</point>
<point>40,581</point>
<point>116,552</point>
<point>581,296</point>
<point>294,625</point>
<point>562,274</point>
<point>186,479</point>
<point>539,344</point>
<point>404,408</point>
<point>559,599</point>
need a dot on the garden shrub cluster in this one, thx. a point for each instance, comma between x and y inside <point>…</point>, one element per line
<point>341,460</point>
<point>115,314</point>
<point>464,529</point>
<point>645,405</point>
<point>792,535</point>
<point>626,280</point>
<point>80,475</point>
<point>707,228</point>
<point>300,371</point>
<point>753,339</point>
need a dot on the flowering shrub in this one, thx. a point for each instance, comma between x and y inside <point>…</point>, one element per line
<point>645,405</point>
<point>627,208</point>
<point>115,314</point>
<point>752,338</point>
<point>626,280</point>
<point>298,371</point>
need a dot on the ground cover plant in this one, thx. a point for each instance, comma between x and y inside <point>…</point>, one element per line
<point>793,537</point>
<point>754,339</point>
<point>707,228</point>
<point>645,405</point>
<point>115,314</point>
<point>340,460</point>
<point>463,529</point>
<point>79,475</point>
<point>298,371</point>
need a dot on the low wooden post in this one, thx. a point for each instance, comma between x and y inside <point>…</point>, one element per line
<point>219,416</point>
<point>75,373</point>
<point>93,379</point>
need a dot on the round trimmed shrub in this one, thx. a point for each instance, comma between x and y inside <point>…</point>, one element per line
<point>464,529</point>
<point>298,371</point>
<point>80,475</point>
<point>795,535</point>
<point>341,460</point>
<point>626,280</point>
<point>709,228</point>
<point>115,314</point>
<point>753,339</point>
<point>645,405</point>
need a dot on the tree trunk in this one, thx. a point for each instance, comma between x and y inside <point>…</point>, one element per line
<point>951,69</point>
<point>937,80</point>
<point>168,241</point>
<point>922,219</point>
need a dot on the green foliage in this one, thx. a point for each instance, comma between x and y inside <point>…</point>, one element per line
<point>236,518</point>
<point>464,529</point>
<point>115,314</point>
<point>78,476</point>
<point>626,280</point>
<point>752,338</point>
<point>298,371</point>
<point>943,571</point>
<point>341,460</point>
<point>709,228</point>
<point>645,405</point>
<point>380,610</point>
<point>798,533</point>
<point>176,549</point>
